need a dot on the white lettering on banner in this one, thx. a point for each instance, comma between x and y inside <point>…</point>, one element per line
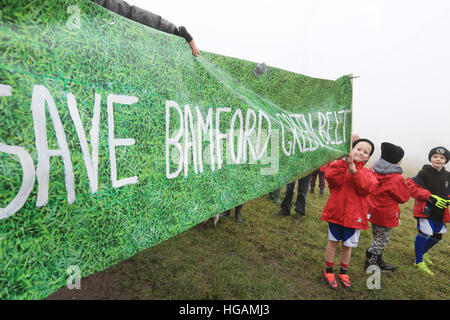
<point>41,101</point>
<point>27,180</point>
<point>189,142</point>
<point>113,142</point>
<point>27,169</point>
<point>260,153</point>
<point>91,162</point>
<point>329,127</point>
<point>5,90</point>
<point>305,138</point>
<point>274,155</point>
<point>219,136</point>
<point>312,132</point>
<point>170,141</point>
<point>286,152</point>
<point>344,121</point>
<point>249,147</point>
<point>40,97</point>
<point>336,129</point>
<point>203,127</point>
<point>186,131</point>
<point>247,134</point>
<point>236,159</point>
<point>294,132</point>
<point>322,123</point>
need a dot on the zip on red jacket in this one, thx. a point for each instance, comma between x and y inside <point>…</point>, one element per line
<point>347,205</point>
<point>391,190</point>
<point>419,186</point>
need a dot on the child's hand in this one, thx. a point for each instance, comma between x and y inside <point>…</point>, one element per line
<point>438,201</point>
<point>348,159</point>
<point>351,165</point>
<point>352,168</point>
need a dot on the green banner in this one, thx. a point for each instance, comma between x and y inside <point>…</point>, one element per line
<point>114,138</point>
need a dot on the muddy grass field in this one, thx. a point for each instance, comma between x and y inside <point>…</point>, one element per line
<point>266,257</point>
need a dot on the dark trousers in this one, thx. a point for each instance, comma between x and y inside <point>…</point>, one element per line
<point>237,209</point>
<point>302,192</point>
<point>321,179</point>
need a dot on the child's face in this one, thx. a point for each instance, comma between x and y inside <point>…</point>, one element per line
<point>361,152</point>
<point>438,161</point>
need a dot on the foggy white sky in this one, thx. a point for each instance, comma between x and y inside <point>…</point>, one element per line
<point>399,49</point>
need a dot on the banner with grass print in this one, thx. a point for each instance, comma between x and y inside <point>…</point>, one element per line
<point>114,138</point>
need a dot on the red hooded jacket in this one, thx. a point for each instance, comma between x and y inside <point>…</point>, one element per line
<point>347,205</point>
<point>384,199</point>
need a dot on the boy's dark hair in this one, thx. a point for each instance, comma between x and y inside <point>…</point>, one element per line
<point>364,140</point>
<point>439,150</point>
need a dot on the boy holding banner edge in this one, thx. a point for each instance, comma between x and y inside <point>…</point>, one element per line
<point>346,209</point>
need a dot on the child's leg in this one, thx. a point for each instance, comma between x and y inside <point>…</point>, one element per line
<point>343,272</point>
<point>329,262</point>
<point>345,258</point>
<point>330,251</point>
<point>377,244</point>
<point>419,245</point>
<point>372,252</point>
<point>428,236</point>
<point>432,241</point>
<point>437,228</point>
<point>374,255</point>
<point>351,239</point>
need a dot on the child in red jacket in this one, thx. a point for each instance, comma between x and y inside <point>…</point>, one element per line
<point>431,189</point>
<point>384,212</point>
<point>346,209</point>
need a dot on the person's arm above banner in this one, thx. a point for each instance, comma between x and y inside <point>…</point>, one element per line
<point>149,19</point>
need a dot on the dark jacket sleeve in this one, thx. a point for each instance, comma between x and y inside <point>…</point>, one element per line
<point>144,17</point>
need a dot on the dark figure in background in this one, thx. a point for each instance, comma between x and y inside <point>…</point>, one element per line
<point>300,203</point>
<point>237,213</point>
<point>149,19</point>
<point>321,181</point>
